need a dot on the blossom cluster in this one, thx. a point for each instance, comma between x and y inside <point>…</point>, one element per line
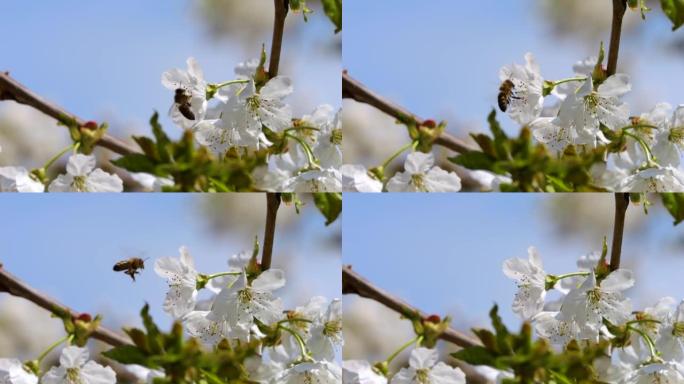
<point>587,111</point>
<point>243,305</point>
<point>248,113</point>
<point>648,344</point>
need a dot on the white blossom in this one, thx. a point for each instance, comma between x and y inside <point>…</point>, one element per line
<point>360,372</point>
<point>420,175</point>
<point>181,275</point>
<point>18,179</point>
<point>531,279</point>
<point>74,367</point>
<point>12,372</point>
<point>192,83</point>
<point>424,368</point>
<point>326,332</point>
<point>82,176</point>
<point>526,100</point>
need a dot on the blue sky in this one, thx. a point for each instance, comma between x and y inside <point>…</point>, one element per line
<point>103,59</point>
<point>66,245</point>
<point>441,58</point>
<point>444,252</point>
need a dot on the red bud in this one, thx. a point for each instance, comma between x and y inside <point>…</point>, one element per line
<point>433,319</point>
<point>429,123</point>
<point>90,125</point>
<point>85,317</point>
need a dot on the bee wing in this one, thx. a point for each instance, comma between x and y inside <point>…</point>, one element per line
<point>171,110</point>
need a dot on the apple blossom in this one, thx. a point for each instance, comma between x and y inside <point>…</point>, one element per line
<point>192,83</point>
<point>424,368</point>
<point>74,367</point>
<point>526,100</point>
<point>420,175</point>
<point>82,176</point>
<point>181,275</point>
<point>531,279</point>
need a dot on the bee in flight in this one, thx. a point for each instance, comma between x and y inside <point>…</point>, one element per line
<point>182,99</point>
<point>130,266</point>
<point>506,94</point>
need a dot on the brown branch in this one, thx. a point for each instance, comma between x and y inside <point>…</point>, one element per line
<point>281,8</point>
<point>619,8</point>
<point>353,283</point>
<point>11,89</point>
<point>354,89</point>
<point>16,287</point>
<point>272,205</point>
<point>621,204</point>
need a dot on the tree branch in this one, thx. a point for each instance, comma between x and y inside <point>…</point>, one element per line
<point>621,204</point>
<point>281,8</point>
<point>354,89</point>
<point>15,287</point>
<point>353,283</point>
<point>619,8</point>
<point>272,205</point>
<point>11,89</point>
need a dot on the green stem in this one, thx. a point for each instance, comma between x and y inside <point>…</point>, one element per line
<point>651,160</point>
<point>651,345</point>
<point>240,81</point>
<point>569,79</point>
<point>396,154</point>
<point>295,320</point>
<point>634,126</point>
<point>311,159</point>
<point>643,321</point>
<point>302,128</point>
<point>57,156</point>
<point>566,275</point>
<point>53,346</point>
<point>215,275</point>
<point>396,353</point>
<point>302,345</point>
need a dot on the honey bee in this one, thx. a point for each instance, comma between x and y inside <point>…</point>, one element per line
<point>506,94</point>
<point>182,99</point>
<point>130,266</point>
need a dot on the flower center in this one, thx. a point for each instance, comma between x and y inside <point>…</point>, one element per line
<point>676,135</point>
<point>79,183</point>
<point>591,100</point>
<point>418,181</point>
<point>678,329</point>
<point>594,296</point>
<point>72,376</point>
<point>245,296</point>
<point>422,376</point>
<point>332,328</point>
<point>253,102</point>
<point>336,137</point>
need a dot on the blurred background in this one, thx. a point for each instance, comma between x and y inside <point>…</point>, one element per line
<point>66,246</point>
<point>443,253</point>
<point>441,59</point>
<point>104,60</point>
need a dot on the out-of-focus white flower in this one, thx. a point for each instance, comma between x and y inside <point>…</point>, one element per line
<point>12,372</point>
<point>82,176</point>
<point>355,178</point>
<point>151,182</point>
<point>18,179</point>
<point>360,372</point>
<point>656,179</point>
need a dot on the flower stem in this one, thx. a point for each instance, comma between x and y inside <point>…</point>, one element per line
<point>569,79</point>
<point>239,81</point>
<point>397,153</point>
<point>302,128</point>
<point>57,156</point>
<point>396,353</point>
<point>651,160</point>
<point>302,345</point>
<point>640,321</point>
<point>635,126</point>
<point>649,342</point>
<point>307,149</point>
<point>215,275</point>
<point>54,345</point>
<point>295,320</point>
<point>566,275</point>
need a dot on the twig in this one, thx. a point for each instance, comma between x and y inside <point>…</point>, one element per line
<point>281,8</point>
<point>11,89</point>
<point>353,283</point>
<point>354,89</point>
<point>619,8</point>
<point>16,287</point>
<point>272,205</point>
<point>621,204</point>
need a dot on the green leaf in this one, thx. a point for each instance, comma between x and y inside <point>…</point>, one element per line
<point>330,205</point>
<point>474,160</point>
<point>475,355</point>
<point>674,202</point>
<point>163,141</point>
<point>127,354</point>
<point>333,8</point>
<point>674,9</point>
<point>135,162</point>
